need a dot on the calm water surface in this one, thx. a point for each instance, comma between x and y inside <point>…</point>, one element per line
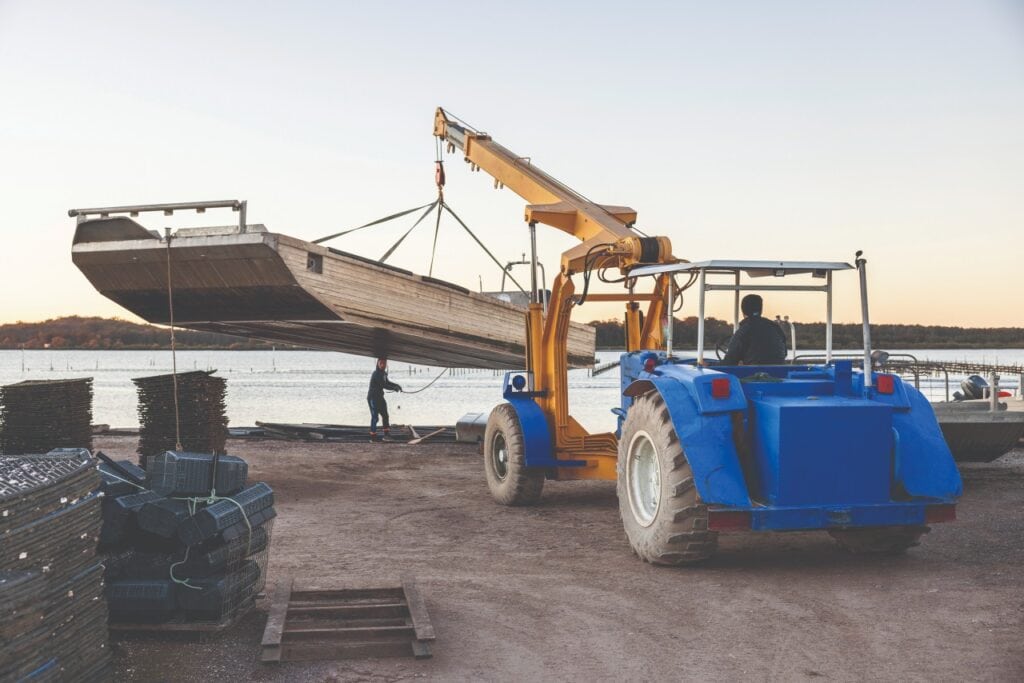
<point>321,386</point>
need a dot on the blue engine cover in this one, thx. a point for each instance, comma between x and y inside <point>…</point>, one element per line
<point>822,450</point>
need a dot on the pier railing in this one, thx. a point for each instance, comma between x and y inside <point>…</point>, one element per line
<point>934,378</point>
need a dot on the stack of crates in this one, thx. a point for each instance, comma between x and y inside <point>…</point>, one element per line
<point>190,543</point>
<point>201,420</point>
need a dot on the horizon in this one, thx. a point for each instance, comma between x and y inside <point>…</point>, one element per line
<point>677,318</point>
<point>783,131</point>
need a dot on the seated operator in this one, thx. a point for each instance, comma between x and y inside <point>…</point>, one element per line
<point>757,341</point>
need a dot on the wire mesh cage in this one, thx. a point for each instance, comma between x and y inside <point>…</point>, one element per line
<point>226,579</point>
<point>38,415</point>
<point>52,616</point>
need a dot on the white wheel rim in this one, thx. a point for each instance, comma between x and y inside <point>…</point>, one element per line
<point>643,478</point>
<point>499,456</point>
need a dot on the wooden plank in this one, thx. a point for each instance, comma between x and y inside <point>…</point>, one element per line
<point>355,611</point>
<point>271,646</point>
<point>421,439</point>
<point>306,652</point>
<point>417,610</point>
<point>421,649</point>
<point>353,633</point>
<point>346,595</point>
<point>317,622</point>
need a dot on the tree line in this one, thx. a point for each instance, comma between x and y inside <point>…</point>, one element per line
<point>611,335</point>
<point>75,332</point>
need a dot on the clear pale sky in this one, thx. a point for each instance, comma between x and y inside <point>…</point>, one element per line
<point>739,129</point>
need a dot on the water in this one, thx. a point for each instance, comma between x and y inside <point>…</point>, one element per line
<point>322,386</point>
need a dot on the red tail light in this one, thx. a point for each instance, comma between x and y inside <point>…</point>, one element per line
<point>886,384</point>
<point>720,387</point>
<point>933,514</point>
<point>728,520</point>
<point>1005,394</point>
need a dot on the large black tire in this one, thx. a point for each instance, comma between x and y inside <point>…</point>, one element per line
<point>881,540</point>
<point>669,526</point>
<point>511,482</point>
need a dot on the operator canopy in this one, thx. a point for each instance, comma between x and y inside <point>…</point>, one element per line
<point>750,268</point>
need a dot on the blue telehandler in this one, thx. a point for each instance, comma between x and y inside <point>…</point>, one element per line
<point>701,448</point>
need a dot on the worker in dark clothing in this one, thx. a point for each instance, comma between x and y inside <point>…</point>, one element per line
<point>375,398</point>
<point>757,341</point>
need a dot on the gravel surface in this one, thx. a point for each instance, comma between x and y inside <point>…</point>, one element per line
<point>553,593</point>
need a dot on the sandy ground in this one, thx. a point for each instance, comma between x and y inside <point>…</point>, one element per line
<point>553,592</point>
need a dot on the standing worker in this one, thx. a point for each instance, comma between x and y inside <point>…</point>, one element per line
<point>375,398</point>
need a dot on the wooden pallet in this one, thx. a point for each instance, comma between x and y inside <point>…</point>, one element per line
<point>347,623</point>
<point>178,625</point>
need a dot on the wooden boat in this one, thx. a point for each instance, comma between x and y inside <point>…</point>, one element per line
<point>263,285</point>
<point>975,433</point>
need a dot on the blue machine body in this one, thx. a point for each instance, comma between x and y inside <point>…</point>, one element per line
<point>801,447</point>
<point>796,447</point>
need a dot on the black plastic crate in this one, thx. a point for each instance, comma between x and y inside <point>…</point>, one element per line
<point>215,518</point>
<point>176,473</point>
<point>163,517</point>
<point>241,530</point>
<point>213,598</point>
<point>131,504</point>
<point>142,600</point>
<point>113,485</point>
<point>226,555</point>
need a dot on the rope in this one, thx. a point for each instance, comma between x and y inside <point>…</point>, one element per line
<point>424,388</point>
<point>182,582</point>
<point>174,353</point>
<point>437,229</point>
<point>367,225</point>
<point>430,207</point>
<point>477,240</point>
<point>192,503</point>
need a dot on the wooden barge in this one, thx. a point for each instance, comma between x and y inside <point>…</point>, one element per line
<point>246,281</point>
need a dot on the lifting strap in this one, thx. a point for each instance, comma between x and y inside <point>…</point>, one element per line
<point>477,240</point>
<point>376,222</point>
<point>389,252</point>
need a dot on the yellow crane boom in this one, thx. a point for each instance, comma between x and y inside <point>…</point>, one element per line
<point>608,240</point>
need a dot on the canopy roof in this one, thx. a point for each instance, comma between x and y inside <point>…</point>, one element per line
<point>750,268</point>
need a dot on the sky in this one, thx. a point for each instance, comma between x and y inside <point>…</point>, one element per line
<point>781,130</point>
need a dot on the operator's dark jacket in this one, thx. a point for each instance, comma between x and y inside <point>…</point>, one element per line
<point>756,342</point>
<point>378,383</point>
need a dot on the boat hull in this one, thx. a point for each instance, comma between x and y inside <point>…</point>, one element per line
<point>976,434</point>
<point>284,290</point>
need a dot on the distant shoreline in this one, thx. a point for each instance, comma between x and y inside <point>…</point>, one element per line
<point>76,333</point>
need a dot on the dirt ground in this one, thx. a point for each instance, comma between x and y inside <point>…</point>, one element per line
<point>553,592</point>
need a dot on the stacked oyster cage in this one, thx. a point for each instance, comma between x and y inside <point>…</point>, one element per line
<point>53,619</point>
<point>186,539</point>
<point>38,415</point>
<point>201,415</point>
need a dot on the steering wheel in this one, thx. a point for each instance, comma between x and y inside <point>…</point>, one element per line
<point>722,346</point>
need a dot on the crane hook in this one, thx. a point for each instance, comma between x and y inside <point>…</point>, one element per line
<point>439,174</point>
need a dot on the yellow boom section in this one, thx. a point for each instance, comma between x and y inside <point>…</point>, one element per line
<point>608,241</point>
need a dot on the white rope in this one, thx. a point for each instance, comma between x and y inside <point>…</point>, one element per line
<point>174,354</point>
